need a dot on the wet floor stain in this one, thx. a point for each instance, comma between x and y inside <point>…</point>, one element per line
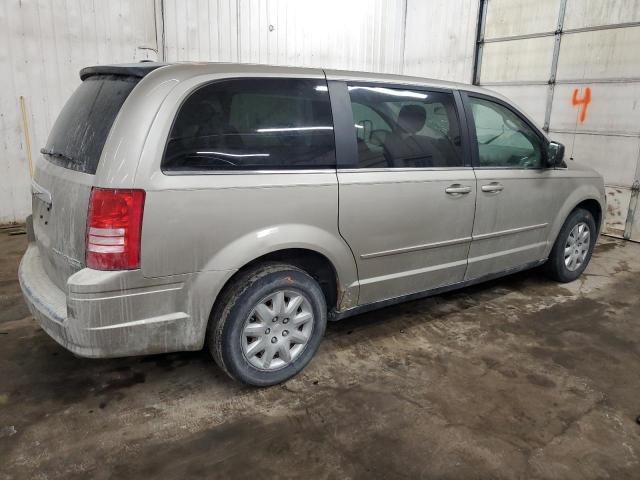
<point>517,378</point>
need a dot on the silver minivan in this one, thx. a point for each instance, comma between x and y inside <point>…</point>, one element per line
<point>240,207</point>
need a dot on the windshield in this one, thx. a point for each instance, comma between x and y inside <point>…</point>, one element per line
<point>81,130</point>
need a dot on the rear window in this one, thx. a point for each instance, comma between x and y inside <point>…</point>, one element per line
<point>80,132</point>
<point>253,124</point>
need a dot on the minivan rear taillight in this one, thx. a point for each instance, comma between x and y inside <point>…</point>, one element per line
<point>114,225</point>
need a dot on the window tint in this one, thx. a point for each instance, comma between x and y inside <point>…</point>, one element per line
<point>504,139</point>
<point>398,128</point>
<point>253,124</point>
<point>80,131</point>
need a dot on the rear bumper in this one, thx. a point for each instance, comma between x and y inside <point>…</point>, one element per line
<point>111,314</point>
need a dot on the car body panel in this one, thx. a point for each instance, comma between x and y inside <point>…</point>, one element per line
<point>60,197</point>
<point>512,225</point>
<point>406,232</point>
<point>275,221</point>
<point>403,236</point>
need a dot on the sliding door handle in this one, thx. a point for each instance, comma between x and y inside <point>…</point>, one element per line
<point>457,189</point>
<point>493,187</point>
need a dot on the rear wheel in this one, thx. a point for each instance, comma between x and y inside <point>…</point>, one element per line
<point>573,248</point>
<point>267,324</point>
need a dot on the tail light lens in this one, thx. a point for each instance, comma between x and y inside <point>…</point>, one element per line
<point>114,226</point>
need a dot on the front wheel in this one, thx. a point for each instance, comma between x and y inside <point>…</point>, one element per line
<point>573,248</point>
<point>267,324</point>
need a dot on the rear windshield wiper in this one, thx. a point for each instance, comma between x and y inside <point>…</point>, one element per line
<point>53,153</point>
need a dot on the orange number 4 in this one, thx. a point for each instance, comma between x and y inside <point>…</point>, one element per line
<point>582,102</point>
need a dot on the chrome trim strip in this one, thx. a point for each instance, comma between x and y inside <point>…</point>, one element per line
<point>174,173</point>
<point>455,241</point>
<point>401,169</point>
<point>415,248</point>
<point>511,231</point>
<point>502,253</point>
<point>412,273</point>
<point>299,171</point>
<point>503,167</point>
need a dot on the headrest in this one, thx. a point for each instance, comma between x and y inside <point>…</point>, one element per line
<point>411,118</point>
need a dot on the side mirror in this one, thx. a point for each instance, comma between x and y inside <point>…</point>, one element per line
<point>555,154</point>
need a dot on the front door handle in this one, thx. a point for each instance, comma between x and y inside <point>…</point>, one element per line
<point>457,189</point>
<point>493,187</point>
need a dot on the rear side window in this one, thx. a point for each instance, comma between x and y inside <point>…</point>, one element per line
<point>80,131</point>
<point>253,124</point>
<point>403,128</point>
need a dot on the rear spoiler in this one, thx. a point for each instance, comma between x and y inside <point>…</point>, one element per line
<point>138,70</point>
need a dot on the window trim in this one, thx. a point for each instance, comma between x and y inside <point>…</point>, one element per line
<point>345,135</point>
<point>475,153</point>
<point>247,171</point>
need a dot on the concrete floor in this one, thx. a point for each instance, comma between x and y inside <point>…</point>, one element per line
<point>518,378</point>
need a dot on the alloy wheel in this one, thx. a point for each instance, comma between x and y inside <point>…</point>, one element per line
<point>277,330</point>
<point>576,248</point>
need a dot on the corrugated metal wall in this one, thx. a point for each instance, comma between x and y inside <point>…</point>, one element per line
<point>43,45</point>
<point>46,42</point>
<point>574,65</point>
<point>545,54</point>
<point>418,37</point>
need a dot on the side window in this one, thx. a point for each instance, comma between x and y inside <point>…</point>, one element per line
<point>504,139</point>
<point>253,124</point>
<point>402,128</point>
<point>370,129</point>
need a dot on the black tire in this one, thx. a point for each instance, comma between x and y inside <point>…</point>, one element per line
<point>556,267</point>
<point>235,304</point>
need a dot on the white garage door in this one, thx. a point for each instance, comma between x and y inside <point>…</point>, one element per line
<point>574,65</point>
